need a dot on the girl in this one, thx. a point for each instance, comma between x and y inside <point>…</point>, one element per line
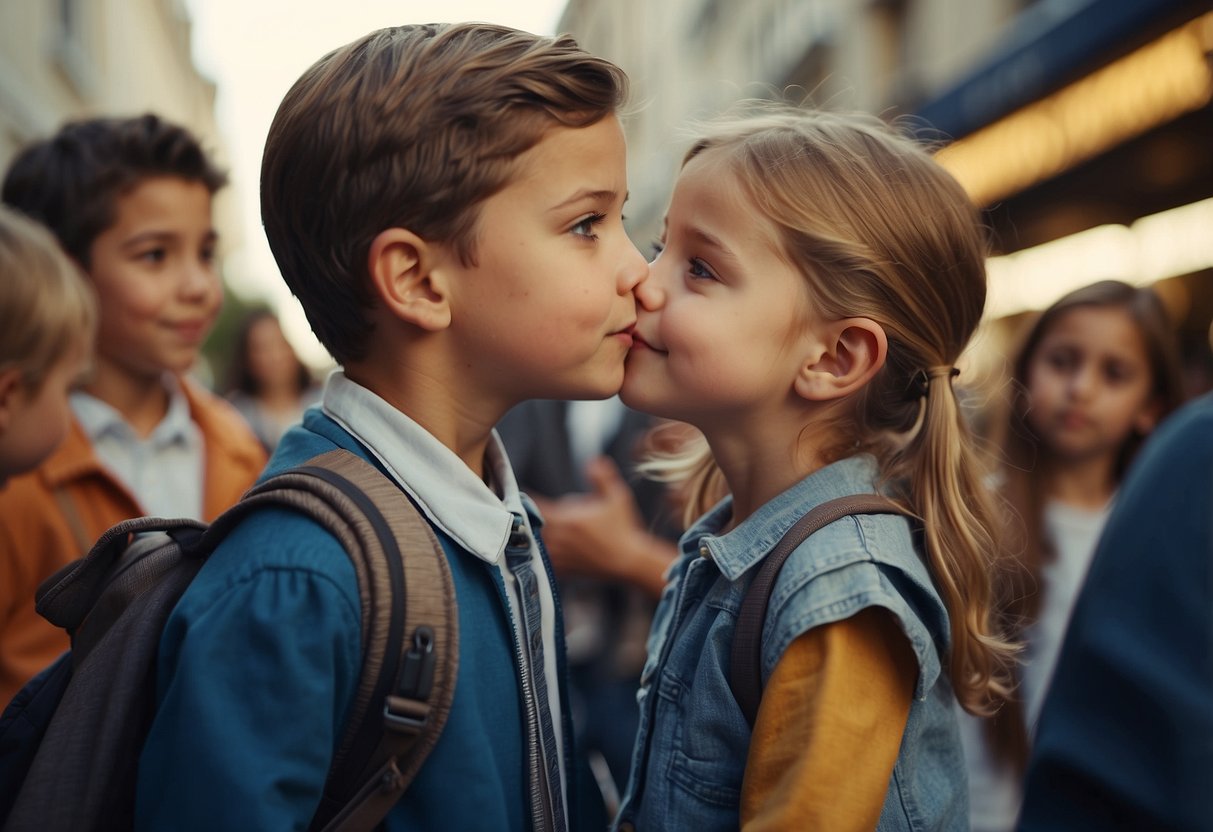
<point>1098,369</point>
<point>267,382</point>
<point>816,283</point>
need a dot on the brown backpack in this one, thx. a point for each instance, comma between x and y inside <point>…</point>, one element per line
<point>70,739</point>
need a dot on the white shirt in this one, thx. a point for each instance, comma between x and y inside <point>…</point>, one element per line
<point>455,500</point>
<point>995,793</point>
<point>165,471</point>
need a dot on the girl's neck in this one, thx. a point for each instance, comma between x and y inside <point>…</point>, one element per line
<point>761,465</point>
<point>142,400</point>
<point>280,397</point>
<point>1088,483</point>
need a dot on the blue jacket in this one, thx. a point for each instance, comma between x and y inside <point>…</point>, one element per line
<point>258,664</point>
<point>1125,739</point>
<point>690,753</point>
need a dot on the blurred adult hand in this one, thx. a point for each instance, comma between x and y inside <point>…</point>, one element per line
<point>602,534</point>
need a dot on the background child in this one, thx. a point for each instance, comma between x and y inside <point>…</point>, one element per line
<point>468,253</point>
<point>267,382</point>
<point>129,200</point>
<point>1098,370</point>
<point>47,320</point>
<point>818,279</point>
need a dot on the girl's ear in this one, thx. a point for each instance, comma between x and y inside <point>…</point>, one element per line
<point>405,278</point>
<point>11,386</point>
<point>1148,417</point>
<point>845,357</point>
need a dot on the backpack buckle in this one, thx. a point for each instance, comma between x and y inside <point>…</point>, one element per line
<point>405,715</point>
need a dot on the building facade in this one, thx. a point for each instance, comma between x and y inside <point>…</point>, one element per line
<point>1083,127</point>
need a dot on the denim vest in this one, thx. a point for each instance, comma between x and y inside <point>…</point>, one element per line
<point>691,748</point>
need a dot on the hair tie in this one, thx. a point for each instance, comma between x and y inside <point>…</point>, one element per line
<point>920,382</point>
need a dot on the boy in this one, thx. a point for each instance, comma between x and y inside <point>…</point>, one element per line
<point>445,201</point>
<point>130,202</point>
<point>47,318</point>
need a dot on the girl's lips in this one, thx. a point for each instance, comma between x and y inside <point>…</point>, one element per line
<point>638,342</point>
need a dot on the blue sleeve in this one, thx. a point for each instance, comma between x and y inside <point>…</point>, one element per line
<point>1125,739</point>
<point>257,667</point>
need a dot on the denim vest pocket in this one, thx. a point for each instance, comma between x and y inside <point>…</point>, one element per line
<point>709,730</point>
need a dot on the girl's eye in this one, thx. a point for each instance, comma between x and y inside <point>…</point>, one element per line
<point>153,255</point>
<point>207,255</point>
<point>698,269</point>
<point>585,226</point>
<point>1061,359</point>
<point>657,247</point>
<point>1116,373</point>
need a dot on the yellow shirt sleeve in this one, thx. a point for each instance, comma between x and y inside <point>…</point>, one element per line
<point>829,728</point>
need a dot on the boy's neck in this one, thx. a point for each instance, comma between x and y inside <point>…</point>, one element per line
<point>142,400</point>
<point>430,402</point>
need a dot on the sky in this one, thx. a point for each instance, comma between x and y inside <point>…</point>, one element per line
<point>254,50</point>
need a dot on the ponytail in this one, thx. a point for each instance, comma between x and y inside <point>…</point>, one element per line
<point>945,487</point>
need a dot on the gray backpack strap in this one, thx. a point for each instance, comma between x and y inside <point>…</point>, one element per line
<point>410,632</point>
<point>745,658</point>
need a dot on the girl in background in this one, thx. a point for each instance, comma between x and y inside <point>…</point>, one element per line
<point>1095,374</point>
<point>817,280</point>
<point>268,383</point>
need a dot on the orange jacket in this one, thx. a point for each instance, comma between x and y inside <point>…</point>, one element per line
<point>37,537</point>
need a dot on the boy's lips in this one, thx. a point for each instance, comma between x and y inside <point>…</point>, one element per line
<point>625,334</point>
<point>191,331</point>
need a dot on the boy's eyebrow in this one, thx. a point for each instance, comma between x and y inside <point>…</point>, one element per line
<point>161,236</point>
<point>586,195</point>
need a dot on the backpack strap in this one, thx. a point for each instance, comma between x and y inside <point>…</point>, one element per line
<point>410,635</point>
<point>745,658</point>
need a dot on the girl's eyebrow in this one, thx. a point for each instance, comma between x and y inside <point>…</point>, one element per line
<point>711,241</point>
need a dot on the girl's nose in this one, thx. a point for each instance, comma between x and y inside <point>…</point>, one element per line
<point>651,294</point>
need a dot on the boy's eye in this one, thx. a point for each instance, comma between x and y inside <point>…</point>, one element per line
<point>657,247</point>
<point>585,226</point>
<point>207,254</point>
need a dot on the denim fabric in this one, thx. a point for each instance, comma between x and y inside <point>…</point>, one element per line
<point>690,751</point>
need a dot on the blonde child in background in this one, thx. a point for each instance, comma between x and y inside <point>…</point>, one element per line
<point>816,283</point>
<point>47,320</point>
<point>1095,374</point>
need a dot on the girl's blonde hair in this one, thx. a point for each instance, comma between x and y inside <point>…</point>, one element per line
<point>46,308</point>
<point>879,230</point>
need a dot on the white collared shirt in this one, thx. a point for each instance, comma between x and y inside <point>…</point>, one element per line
<point>165,471</point>
<point>454,499</point>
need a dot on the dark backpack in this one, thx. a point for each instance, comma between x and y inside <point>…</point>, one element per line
<point>70,739</point>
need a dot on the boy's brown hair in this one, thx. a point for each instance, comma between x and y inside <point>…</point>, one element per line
<point>411,127</point>
<point>46,308</point>
<point>72,181</point>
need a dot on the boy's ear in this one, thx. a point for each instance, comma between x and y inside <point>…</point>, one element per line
<point>403,274</point>
<point>11,385</point>
<point>845,356</point>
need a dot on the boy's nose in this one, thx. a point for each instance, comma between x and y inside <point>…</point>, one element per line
<point>635,271</point>
<point>199,279</point>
